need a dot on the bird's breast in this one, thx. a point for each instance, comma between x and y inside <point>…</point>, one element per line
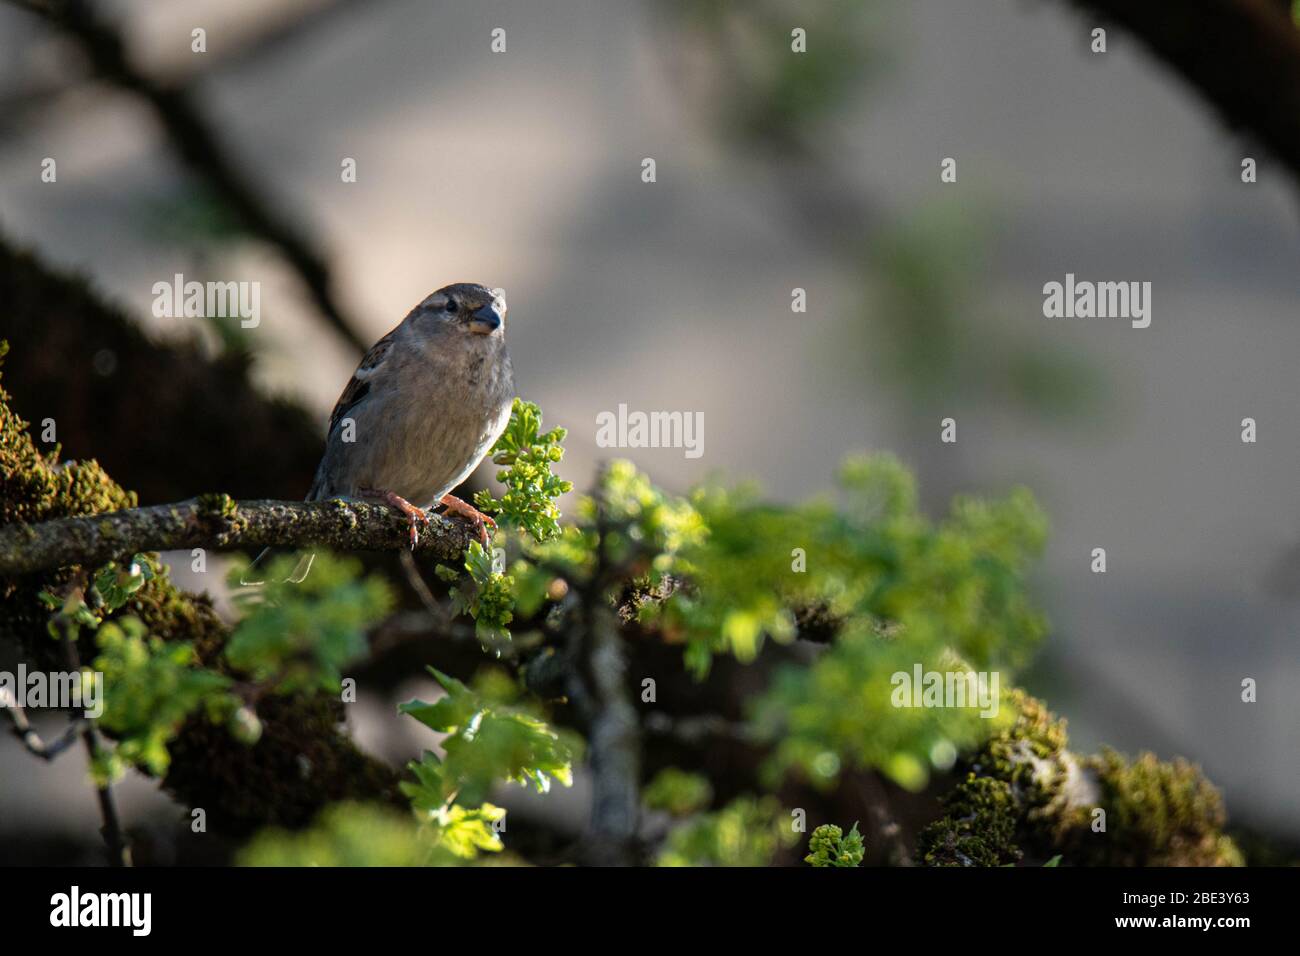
<point>440,433</point>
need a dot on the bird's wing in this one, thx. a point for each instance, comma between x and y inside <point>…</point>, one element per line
<point>358,386</point>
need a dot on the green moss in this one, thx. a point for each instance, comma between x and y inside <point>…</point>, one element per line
<point>978,827</point>
<point>1017,754</point>
<point>218,505</point>
<point>36,486</point>
<point>1159,814</point>
<point>300,764</point>
<point>175,615</point>
<point>1027,795</point>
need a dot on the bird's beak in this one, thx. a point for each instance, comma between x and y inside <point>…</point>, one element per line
<point>486,320</point>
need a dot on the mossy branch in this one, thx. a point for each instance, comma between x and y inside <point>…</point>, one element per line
<point>1027,794</point>
<point>215,521</point>
<point>302,761</point>
<point>195,402</point>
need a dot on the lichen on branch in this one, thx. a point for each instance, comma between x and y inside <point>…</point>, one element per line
<point>215,521</point>
<point>242,787</point>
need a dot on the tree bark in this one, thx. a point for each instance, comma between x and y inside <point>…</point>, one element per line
<point>215,521</point>
<point>164,419</point>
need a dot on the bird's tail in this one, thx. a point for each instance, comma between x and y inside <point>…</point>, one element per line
<point>255,573</point>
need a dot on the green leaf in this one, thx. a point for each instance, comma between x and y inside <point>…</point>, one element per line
<point>531,489</point>
<point>116,583</point>
<point>486,742</point>
<point>486,596</point>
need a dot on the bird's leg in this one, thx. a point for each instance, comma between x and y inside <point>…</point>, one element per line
<point>416,516</point>
<point>481,521</point>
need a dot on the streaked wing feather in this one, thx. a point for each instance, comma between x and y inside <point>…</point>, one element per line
<point>358,386</point>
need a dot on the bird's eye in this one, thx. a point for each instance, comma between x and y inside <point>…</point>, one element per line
<point>451,306</point>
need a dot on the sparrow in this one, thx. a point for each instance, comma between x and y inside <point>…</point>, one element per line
<point>426,404</point>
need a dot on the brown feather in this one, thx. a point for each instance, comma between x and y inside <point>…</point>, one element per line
<point>358,386</point>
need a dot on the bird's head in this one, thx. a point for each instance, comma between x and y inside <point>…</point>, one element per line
<point>465,308</point>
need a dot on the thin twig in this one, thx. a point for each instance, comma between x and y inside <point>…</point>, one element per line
<point>698,730</point>
<point>119,853</point>
<point>33,741</point>
<point>201,149</point>
<point>441,615</point>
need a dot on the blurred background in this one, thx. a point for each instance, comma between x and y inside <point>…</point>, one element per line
<point>523,170</point>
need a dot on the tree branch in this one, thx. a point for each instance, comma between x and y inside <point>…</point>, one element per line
<point>615,752</point>
<point>199,147</point>
<point>215,521</point>
<point>35,744</point>
<point>303,761</point>
<point>1243,56</point>
<point>119,851</point>
<point>600,694</point>
<point>193,403</point>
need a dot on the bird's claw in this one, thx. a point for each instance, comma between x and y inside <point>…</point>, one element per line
<point>415,516</point>
<point>418,518</point>
<point>466,510</point>
<point>413,532</point>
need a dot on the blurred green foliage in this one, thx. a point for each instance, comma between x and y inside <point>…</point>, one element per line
<point>291,638</point>
<point>678,792</point>
<point>299,636</point>
<point>149,688</point>
<point>899,589</point>
<point>358,834</point>
<point>115,583</point>
<point>934,340</point>
<point>761,93</point>
<point>749,831</point>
